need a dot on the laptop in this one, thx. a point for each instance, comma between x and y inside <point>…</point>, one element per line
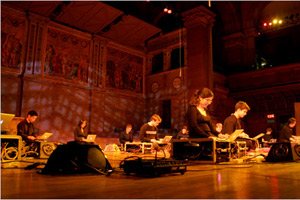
<point>45,136</point>
<point>5,120</point>
<point>90,138</point>
<point>235,134</point>
<point>258,136</point>
<point>166,140</point>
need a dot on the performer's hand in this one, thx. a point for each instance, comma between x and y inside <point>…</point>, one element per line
<point>225,136</point>
<point>244,135</point>
<point>31,137</point>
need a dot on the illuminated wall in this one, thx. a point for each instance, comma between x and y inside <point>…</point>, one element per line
<point>61,73</point>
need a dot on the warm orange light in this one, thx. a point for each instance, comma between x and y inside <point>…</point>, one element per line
<point>169,11</point>
<point>165,9</point>
<point>280,21</point>
<point>265,24</point>
<point>270,23</point>
<point>275,21</point>
<point>271,116</point>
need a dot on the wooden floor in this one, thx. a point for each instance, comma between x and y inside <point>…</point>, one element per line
<point>201,181</point>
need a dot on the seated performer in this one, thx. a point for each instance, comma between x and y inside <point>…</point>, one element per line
<point>26,128</point>
<point>148,131</point>
<point>286,133</point>
<point>126,136</point>
<point>199,121</point>
<point>266,139</point>
<point>219,127</point>
<point>183,134</point>
<point>80,134</point>
<point>233,122</point>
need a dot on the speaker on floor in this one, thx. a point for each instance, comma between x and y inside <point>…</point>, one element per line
<point>46,149</point>
<point>284,151</point>
<point>73,158</point>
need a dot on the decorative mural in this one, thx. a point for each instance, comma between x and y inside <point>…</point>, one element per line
<point>66,56</point>
<point>124,71</point>
<point>12,39</point>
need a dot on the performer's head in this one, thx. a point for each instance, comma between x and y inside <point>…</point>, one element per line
<point>202,98</point>
<point>269,131</point>
<point>82,124</point>
<point>219,127</point>
<point>31,116</point>
<point>292,122</point>
<point>155,120</point>
<point>184,129</point>
<point>241,109</point>
<point>128,128</point>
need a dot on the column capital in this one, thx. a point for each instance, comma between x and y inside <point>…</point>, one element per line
<point>37,18</point>
<point>198,16</point>
<point>235,39</point>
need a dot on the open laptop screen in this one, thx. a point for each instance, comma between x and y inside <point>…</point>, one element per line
<point>5,120</point>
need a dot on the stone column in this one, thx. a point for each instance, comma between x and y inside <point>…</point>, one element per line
<point>199,22</point>
<point>249,58</point>
<point>234,45</point>
<point>148,69</point>
<point>167,59</point>
<point>36,44</point>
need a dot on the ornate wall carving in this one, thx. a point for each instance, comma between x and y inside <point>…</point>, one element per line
<point>124,71</point>
<point>12,41</point>
<point>67,56</point>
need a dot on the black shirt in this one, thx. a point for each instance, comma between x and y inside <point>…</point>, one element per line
<point>268,137</point>
<point>231,123</point>
<point>199,125</point>
<point>124,137</point>
<point>181,135</point>
<point>285,134</point>
<point>144,137</point>
<point>79,135</point>
<point>25,129</point>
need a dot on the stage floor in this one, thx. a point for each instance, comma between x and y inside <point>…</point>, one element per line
<point>201,181</point>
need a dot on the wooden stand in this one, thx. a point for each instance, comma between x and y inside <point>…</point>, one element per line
<point>146,146</point>
<point>204,150</point>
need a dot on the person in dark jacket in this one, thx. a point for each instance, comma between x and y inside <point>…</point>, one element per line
<point>183,134</point>
<point>148,131</point>
<point>26,128</point>
<point>286,133</point>
<point>126,135</point>
<point>80,133</point>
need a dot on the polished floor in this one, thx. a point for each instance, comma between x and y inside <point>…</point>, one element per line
<point>230,180</point>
